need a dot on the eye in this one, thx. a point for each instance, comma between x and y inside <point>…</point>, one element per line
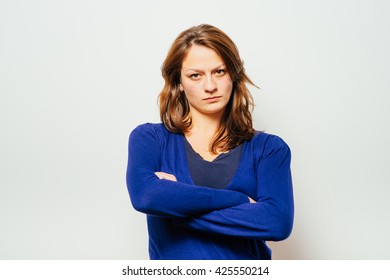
<point>220,72</point>
<point>194,76</point>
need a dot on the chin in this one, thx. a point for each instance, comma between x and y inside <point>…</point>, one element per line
<point>213,112</point>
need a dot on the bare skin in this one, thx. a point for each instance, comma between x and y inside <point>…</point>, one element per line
<point>166,176</point>
<point>208,87</point>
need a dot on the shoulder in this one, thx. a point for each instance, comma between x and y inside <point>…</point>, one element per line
<point>150,128</point>
<point>149,132</point>
<point>265,144</point>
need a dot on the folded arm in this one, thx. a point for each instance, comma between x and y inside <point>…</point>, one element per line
<point>271,217</point>
<point>163,197</point>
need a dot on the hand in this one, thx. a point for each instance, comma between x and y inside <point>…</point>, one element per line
<point>166,176</point>
<point>251,200</point>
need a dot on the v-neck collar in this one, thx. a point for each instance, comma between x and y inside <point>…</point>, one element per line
<point>183,141</point>
<point>189,148</point>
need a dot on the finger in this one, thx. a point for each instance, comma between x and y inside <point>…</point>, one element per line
<point>166,176</point>
<point>251,200</point>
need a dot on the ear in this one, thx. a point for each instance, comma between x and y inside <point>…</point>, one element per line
<point>181,87</point>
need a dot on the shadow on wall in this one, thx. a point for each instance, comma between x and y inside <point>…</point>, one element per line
<point>289,249</point>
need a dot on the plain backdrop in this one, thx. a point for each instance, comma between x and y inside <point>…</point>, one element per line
<point>77,76</point>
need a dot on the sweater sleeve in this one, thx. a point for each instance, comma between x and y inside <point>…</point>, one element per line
<point>271,217</point>
<point>165,198</point>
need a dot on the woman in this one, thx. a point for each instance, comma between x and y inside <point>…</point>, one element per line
<point>212,187</point>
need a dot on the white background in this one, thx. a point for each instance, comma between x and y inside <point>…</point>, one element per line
<point>77,76</point>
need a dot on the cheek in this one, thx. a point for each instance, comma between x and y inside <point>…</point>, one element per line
<point>226,85</point>
<point>191,89</point>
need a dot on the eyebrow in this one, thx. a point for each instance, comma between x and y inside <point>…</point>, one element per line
<point>198,70</point>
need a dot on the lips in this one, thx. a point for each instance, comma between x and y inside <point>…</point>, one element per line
<point>213,98</point>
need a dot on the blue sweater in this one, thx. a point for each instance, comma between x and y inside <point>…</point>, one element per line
<point>186,221</point>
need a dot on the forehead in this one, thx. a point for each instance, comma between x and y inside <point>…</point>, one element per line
<point>200,57</point>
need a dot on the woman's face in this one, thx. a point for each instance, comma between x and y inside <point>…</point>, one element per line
<point>205,81</point>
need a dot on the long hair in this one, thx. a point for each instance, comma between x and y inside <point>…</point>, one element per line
<point>236,123</point>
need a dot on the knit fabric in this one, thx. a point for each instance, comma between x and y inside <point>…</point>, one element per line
<point>186,221</point>
<point>217,173</point>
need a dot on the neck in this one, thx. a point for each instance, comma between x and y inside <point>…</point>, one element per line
<point>201,134</point>
<point>205,125</point>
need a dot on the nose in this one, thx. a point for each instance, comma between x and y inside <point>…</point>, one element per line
<point>210,85</point>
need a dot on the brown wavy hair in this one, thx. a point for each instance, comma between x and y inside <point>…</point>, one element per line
<point>236,123</point>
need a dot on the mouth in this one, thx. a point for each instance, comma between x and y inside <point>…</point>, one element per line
<point>212,98</point>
